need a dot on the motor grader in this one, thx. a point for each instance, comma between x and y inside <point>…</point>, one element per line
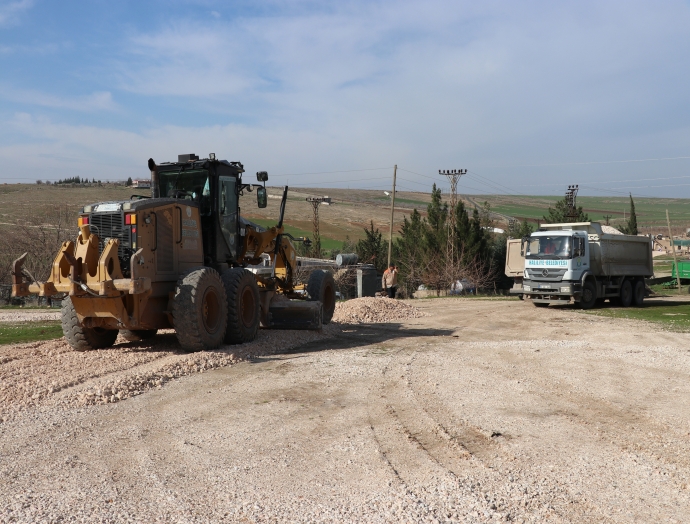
<point>181,258</point>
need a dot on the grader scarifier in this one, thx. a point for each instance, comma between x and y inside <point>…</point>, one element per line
<point>181,259</point>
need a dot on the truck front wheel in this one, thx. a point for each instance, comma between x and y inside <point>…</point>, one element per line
<point>626,293</point>
<point>589,295</point>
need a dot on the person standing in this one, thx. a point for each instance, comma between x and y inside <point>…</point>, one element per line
<point>390,281</point>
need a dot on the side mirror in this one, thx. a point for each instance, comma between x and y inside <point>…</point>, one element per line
<point>261,197</point>
<point>262,176</point>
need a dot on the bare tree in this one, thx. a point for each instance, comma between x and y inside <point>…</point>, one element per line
<point>40,236</point>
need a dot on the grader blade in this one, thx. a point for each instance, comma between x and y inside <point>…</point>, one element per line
<point>295,314</point>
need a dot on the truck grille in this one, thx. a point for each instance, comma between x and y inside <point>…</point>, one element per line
<point>110,225</point>
<point>552,275</point>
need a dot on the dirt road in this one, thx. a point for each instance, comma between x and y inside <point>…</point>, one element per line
<point>483,411</point>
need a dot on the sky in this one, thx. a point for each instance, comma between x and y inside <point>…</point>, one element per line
<point>528,96</point>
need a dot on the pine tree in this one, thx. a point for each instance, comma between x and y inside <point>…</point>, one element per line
<point>129,181</point>
<point>630,228</point>
<point>372,249</point>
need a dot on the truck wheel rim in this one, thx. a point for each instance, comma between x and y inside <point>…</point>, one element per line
<point>247,303</point>
<point>210,312</point>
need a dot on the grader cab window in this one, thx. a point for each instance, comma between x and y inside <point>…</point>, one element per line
<point>187,185</point>
<point>227,207</point>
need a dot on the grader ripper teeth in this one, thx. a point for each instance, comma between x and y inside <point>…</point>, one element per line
<point>83,273</point>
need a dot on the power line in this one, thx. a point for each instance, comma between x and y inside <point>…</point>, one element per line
<point>628,161</point>
<point>331,172</point>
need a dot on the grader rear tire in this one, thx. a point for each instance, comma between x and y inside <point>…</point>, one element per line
<point>137,335</point>
<point>321,287</point>
<point>83,338</point>
<point>200,310</point>
<point>244,310</point>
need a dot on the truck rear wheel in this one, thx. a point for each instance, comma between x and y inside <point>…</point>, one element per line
<point>137,335</point>
<point>321,287</point>
<point>589,295</point>
<point>638,293</point>
<point>244,309</point>
<point>83,338</point>
<point>200,310</point>
<point>626,293</point>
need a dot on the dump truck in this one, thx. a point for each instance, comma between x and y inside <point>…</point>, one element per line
<point>579,262</point>
<point>177,259</point>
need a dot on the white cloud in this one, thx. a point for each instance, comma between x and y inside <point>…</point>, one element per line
<point>98,101</point>
<point>10,11</point>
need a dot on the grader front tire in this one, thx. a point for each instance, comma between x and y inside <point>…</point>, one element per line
<point>200,310</point>
<point>244,311</point>
<point>83,338</point>
<point>321,287</point>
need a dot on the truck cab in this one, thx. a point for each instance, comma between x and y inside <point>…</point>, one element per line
<point>555,262</point>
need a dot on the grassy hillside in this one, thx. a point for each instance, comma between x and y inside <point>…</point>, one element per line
<point>651,212</point>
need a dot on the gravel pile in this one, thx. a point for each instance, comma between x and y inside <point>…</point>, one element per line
<point>610,230</point>
<point>374,309</point>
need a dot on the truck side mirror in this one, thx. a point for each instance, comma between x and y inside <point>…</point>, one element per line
<point>261,197</point>
<point>262,176</point>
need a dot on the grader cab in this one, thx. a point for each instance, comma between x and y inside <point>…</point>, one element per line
<point>181,259</point>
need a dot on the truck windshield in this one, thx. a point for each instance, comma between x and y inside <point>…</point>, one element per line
<point>190,184</point>
<point>555,247</point>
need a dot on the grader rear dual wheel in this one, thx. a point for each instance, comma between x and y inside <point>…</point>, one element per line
<point>200,310</point>
<point>244,312</point>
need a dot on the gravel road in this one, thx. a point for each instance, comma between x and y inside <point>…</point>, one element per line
<point>479,411</point>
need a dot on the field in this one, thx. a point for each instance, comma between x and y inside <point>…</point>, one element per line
<point>352,210</point>
<point>651,212</point>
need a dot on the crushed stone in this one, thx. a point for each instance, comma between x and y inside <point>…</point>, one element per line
<point>374,310</point>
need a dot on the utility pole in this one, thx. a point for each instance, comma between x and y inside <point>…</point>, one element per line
<point>453,177</point>
<point>607,217</point>
<point>315,203</point>
<point>673,250</point>
<point>571,201</point>
<point>390,234</point>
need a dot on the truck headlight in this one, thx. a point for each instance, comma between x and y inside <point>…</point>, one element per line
<point>565,289</point>
<point>526,288</point>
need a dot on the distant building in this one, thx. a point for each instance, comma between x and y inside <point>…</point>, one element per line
<point>141,184</point>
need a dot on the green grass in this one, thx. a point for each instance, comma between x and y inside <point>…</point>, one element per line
<point>29,332</point>
<point>326,243</point>
<point>674,316</point>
